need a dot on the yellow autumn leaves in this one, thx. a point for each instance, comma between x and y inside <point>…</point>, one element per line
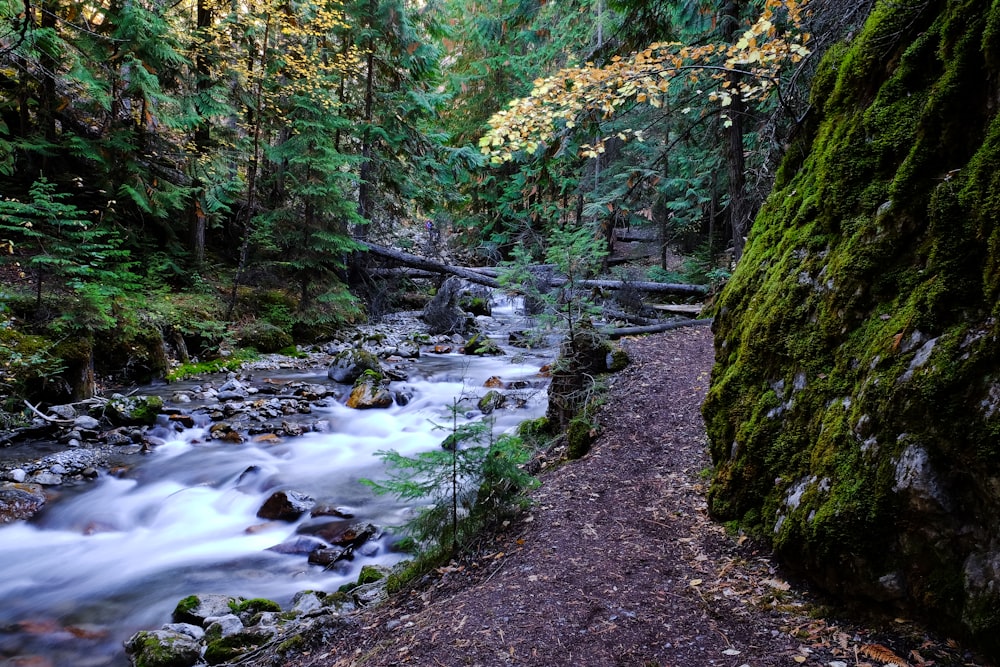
<point>748,69</point>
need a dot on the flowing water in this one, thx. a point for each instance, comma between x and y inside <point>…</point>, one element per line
<point>113,556</point>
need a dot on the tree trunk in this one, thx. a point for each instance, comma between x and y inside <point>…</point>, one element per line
<point>367,168</point>
<point>739,206</point>
<point>197,222</point>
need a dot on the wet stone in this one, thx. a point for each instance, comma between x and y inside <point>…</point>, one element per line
<point>285,506</point>
<point>19,501</point>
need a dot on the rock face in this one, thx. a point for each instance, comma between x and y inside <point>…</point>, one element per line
<point>854,412</point>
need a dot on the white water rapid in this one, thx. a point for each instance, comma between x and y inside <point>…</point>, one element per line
<point>116,555</point>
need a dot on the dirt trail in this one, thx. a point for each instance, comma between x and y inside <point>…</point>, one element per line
<point>619,564</point>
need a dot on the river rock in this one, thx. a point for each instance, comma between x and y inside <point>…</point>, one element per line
<point>86,423</point>
<point>226,625</point>
<point>46,478</point>
<point>19,501</point>
<point>163,648</point>
<point>443,314</point>
<point>300,544</point>
<point>305,602</point>
<point>134,409</point>
<point>63,411</point>
<point>327,557</point>
<point>17,475</point>
<point>493,400</point>
<point>195,609</point>
<point>407,350</point>
<point>369,393</point>
<point>350,364</point>
<point>285,506</point>
<point>403,396</point>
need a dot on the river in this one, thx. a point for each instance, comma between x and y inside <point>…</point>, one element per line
<point>113,556</point>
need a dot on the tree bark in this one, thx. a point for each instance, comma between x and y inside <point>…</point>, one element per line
<point>739,206</point>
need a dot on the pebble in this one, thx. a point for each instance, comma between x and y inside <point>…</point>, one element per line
<point>46,479</point>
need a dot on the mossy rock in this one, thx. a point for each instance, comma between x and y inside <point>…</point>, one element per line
<point>854,409</point>
<point>163,648</point>
<point>475,304</point>
<point>492,401</point>
<point>579,438</point>
<point>221,649</point>
<point>482,346</point>
<point>371,573</point>
<point>134,410</point>
<point>350,365</point>
<point>131,354</point>
<point>617,358</point>
<point>194,609</point>
<point>264,337</point>
<point>254,606</point>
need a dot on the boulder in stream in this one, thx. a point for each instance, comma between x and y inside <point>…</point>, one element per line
<point>369,392</point>
<point>444,314</point>
<point>285,506</point>
<point>133,410</point>
<point>350,364</point>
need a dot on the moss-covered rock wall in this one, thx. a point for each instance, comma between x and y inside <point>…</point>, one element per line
<point>854,413</point>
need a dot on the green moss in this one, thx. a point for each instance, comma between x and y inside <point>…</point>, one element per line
<point>482,346</point>
<point>263,336</point>
<point>859,322</point>
<point>294,644</point>
<point>219,650</point>
<point>254,606</point>
<point>149,651</point>
<point>185,607</point>
<point>579,438</point>
<point>230,363</point>
<point>618,357</point>
<point>370,574</point>
<point>532,430</point>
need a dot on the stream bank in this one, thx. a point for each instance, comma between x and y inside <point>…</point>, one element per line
<point>174,510</point>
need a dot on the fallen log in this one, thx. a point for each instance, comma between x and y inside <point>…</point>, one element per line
<point>482,276</point>
<point>642,286</point>
<point>430,265</point>
<point>653,328</point>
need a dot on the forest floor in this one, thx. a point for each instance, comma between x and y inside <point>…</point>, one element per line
<point>618,563</point>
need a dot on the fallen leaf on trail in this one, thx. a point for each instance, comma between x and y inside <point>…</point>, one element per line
<point>694,582</point>
<point>883,654</point>
<point>777,583</point>
<point>799,658</point>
